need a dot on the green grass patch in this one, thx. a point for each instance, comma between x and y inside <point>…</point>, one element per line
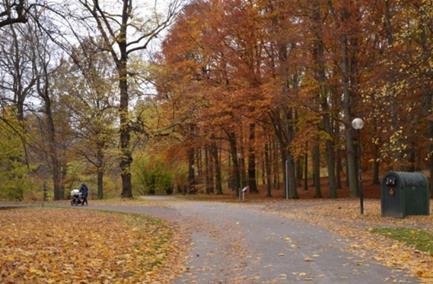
<point>422,240</point>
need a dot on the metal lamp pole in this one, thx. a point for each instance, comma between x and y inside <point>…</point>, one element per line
<point>239,173</point>
<point>358,124</point>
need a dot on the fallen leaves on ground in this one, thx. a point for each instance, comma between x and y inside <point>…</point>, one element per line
<point>343,218</point>
<point>55,245</point>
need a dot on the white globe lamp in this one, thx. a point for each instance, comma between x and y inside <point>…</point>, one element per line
<point>357,123</point>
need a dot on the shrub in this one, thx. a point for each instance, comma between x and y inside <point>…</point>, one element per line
<point>151,176</point>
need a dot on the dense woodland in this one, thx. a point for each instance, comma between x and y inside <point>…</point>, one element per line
<point>237,93</point>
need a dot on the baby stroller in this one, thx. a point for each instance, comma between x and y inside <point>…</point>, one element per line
<point>76,198</point>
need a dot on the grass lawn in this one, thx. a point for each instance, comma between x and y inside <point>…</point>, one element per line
<point>57,245</point>
<point>422,240</point>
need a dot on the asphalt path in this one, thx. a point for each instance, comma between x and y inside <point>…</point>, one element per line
<point>231,243</point>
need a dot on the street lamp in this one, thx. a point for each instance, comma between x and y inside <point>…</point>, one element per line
<point>239,175</point>
<point>358,124</point>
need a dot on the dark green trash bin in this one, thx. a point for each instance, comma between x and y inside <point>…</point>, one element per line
<point>404,193</point>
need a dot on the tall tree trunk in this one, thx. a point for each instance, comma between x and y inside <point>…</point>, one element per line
<point>429,135</point>
<point>43,91</point>
<point>288,165</point>
<point>124,128</point>
<point>428,104</point>
<point>125,136</point>
<point>241,152</point>
<point>299,171</point>
<point>320,74</point>
<point>339,168</point>
<point>20,91</point>
<point>263,170</point>
<point>387,23</point>
<point>316,170</point>
<point>100,169</point>
<point>346,170</point>
<point>252,183</point>
<point>347,105</point>
<point>376,165</point>
<point>208,172</point>
<point>199,162</point>
<point>236,173</point>
<point>211,171</point>
<point>268,166</point>
<point>275,164</point>
<point>286,126</point>
<point>55,163</point>
<point>217,168</point>
<point>306,167</point>
<point>191,170</point>
<point>100,173</point>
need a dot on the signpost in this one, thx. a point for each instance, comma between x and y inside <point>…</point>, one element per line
<point>243,193</point>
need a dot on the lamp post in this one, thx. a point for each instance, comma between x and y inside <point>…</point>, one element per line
<point>358,124</point>
<point>239,175</point>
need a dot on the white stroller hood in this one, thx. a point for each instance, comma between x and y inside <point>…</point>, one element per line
<point>75,192</point>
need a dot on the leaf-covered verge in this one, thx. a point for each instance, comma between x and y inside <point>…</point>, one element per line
<point>343,218</point>
<point>420,239</point>
<point>65,245</point>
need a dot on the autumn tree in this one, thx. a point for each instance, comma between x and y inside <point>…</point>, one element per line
<point>123,35</point>
<point>86,86</point>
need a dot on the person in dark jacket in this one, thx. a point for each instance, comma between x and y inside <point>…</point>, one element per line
<point>84,193</point>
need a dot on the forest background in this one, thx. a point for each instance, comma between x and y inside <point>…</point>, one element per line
<point>237,93</point>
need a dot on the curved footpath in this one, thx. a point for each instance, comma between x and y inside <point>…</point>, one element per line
<point>233,243</point>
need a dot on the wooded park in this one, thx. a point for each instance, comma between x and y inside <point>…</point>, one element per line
<point>202,98</point>
<point>237,89</point>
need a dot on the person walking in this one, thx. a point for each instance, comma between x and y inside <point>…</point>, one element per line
<point>84,193</point>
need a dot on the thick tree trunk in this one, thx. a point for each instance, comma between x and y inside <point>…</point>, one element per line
<point>217,168</point>
<point>428,105</point>
<point>125,136</point>
<point>430,161</point>
<point>330,160</point>
<point>208,171</point>
<point>275,164</point>
<point>242,164</point>
<point>55,163</point>
<point>252,182</point>
<point>387,23</point>
<point>100,173</point>
<point>211,172</point>
<point>268,166</point>
<point>236,162</point>
<point>288,165</point>
<point>199,162</point>
<point>429,135</point>
<point>191,171</point>
<point>347,104</point>
<point>299,171</point>
<point>376,165</point>
<point>124,128</point>
<point>316,170</point>
<point>339,169</point>
<point>100,169</point>
<point>52,142</point>
<point>285,126</point>
<point>318,56</point>
<point>306,168</point>
<point>263,170</point>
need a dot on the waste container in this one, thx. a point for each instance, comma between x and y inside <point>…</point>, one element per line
<point>404,193</point>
